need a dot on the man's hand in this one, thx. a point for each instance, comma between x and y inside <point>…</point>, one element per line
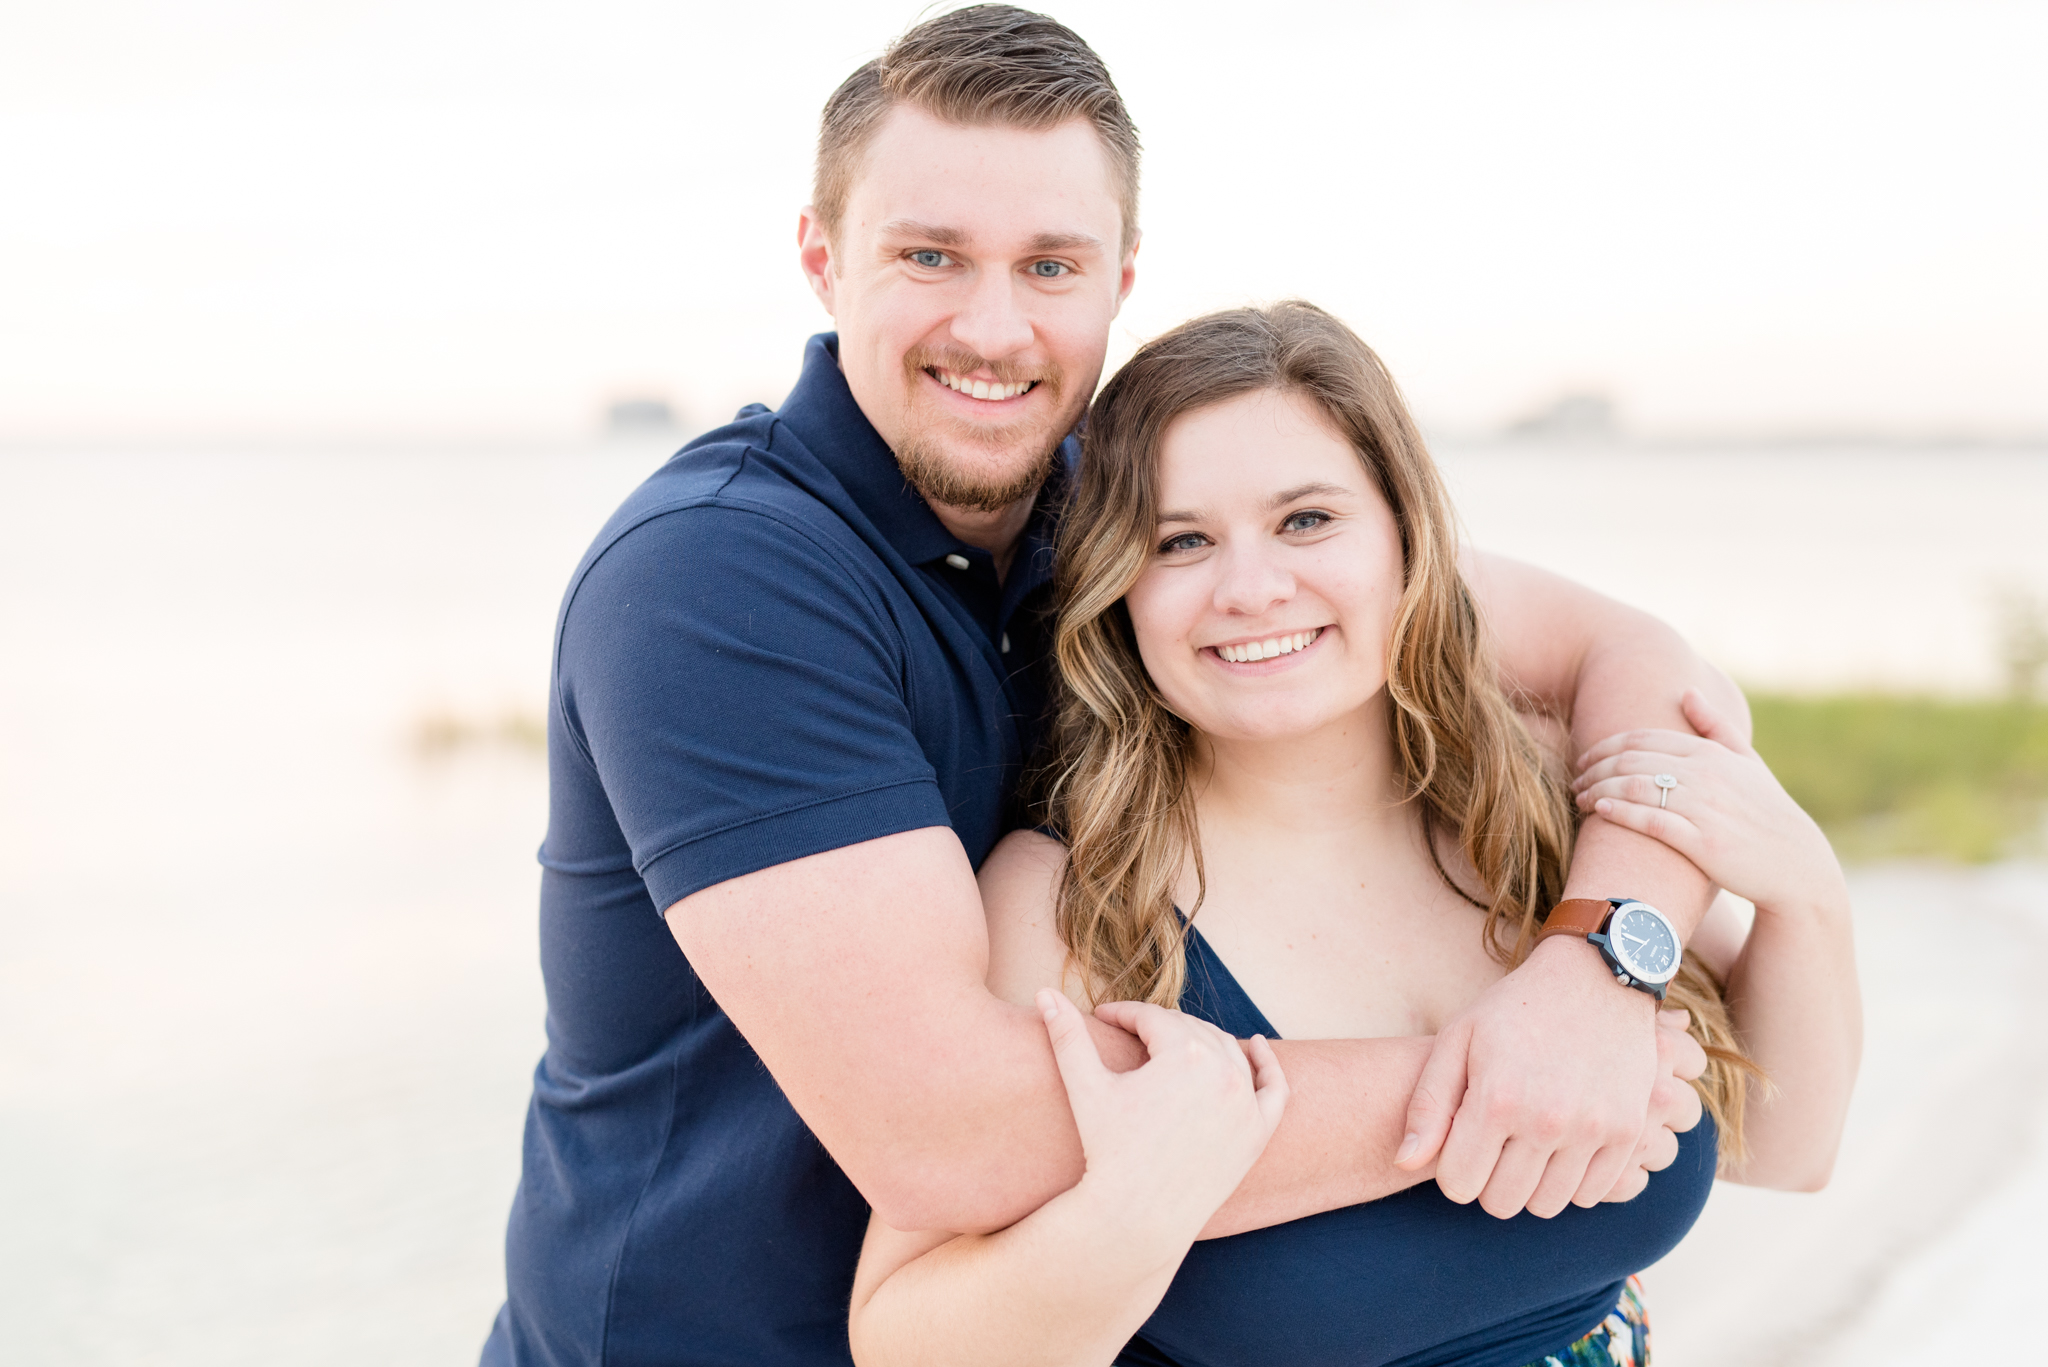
<point>1675,1107</point>
<point>1539,1093</point>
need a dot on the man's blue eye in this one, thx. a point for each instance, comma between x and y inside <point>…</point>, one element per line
<point>1048,269</point>
<point>931,260</point>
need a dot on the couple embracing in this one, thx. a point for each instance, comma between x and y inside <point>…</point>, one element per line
<point>1144,893</point>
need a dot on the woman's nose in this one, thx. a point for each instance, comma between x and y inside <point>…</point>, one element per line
<point>1250,581</point>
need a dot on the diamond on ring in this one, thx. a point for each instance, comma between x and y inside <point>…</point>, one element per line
<point>1665,783</point>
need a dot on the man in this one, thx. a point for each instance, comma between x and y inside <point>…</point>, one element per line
<point>795,680</point>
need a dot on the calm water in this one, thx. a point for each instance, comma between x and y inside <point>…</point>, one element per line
<point>268,998</point>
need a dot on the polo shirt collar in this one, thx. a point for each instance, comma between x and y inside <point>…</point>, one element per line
<point>821,411</point>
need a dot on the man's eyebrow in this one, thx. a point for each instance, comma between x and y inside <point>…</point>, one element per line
<point>928,232</point>
<point>1063,242</point>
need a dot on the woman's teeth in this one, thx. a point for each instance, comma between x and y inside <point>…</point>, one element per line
<point>980,389</point>
<point>1268,648</point>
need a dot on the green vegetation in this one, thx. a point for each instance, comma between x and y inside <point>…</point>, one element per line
<point>1905,776</point>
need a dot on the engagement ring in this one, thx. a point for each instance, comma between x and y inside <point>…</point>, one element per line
<point>1665,783</point>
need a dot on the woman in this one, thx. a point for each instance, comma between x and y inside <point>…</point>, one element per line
<point>1278,712</point>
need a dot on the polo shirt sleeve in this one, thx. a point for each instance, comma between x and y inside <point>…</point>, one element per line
<point>742,693</point>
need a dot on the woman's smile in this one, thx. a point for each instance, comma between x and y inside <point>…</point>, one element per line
<point>1263,655</point>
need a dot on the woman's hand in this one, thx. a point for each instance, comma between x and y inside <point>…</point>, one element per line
<point>1168,1142</point>
<point>1728,814</point>
<point>1067,1285</point>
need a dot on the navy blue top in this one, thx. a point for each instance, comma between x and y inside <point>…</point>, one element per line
<point>764,655</point>
<point>1414,1279</point>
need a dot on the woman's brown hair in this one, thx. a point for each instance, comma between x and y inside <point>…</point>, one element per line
<point>1116,782</point>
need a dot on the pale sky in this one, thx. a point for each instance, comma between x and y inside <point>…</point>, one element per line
<point>465,219</point>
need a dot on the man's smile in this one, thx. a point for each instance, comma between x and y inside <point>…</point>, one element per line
<point>985,390</point>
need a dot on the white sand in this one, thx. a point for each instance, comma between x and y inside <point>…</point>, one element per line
<point>1929,1236</point>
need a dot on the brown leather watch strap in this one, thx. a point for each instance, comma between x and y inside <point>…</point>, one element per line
<point>1579,916</point>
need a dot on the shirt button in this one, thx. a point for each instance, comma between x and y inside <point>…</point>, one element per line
<point>957,561</point>
<point>1006,643</point>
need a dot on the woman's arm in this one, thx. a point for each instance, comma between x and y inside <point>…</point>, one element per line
<point>1791,989</point>
<point>1069,1284</point>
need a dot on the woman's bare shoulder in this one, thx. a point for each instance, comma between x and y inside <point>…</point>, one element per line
<point>1020,883</point>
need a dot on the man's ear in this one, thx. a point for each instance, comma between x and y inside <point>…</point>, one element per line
<point>814,254</point>
<point>1129,275</point>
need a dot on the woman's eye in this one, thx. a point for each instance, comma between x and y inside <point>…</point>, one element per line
<point>928,259</point>
<point>1049,270</point>
<point>1186,541</point>
<point>1306,521</point>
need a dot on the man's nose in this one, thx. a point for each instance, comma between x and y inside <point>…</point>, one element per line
<point>991,322</point>
<point>1251,581</point>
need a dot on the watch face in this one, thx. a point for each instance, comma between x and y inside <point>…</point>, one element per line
<point>1643,941</point>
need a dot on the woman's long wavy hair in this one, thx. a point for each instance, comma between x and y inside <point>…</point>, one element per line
<point>1116,780</point>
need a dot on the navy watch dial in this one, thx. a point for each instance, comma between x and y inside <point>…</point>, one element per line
<point>1643,942</point>
<point>1639,945</point>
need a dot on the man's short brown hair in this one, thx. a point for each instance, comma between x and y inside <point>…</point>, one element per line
<point>985,64</point>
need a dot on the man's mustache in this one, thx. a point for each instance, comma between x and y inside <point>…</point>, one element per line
<point>967,363</point>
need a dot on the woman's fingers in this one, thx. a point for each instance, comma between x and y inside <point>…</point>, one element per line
<point>1073,1050</point>
<point>1641,788</point>
<point>1268,1079</point>
<point>1657,823</point>
<point>1160,1030</point>
<point>1188,1045</point>
<point>1649,738</point>
<point>1701,765</point>
<point>1710,722</point>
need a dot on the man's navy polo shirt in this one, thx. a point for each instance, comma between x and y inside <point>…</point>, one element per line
<point>765,654</point>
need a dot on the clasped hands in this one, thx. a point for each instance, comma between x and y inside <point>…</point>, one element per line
<point>1514,1119</point>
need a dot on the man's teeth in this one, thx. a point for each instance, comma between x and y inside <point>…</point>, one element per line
<point>980,389</point>
<point>1268,648</point>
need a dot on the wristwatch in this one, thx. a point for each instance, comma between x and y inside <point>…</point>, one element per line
<point>1639,944</point>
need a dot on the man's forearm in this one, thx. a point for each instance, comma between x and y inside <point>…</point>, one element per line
<point>1347,1100</point>
<point>1336,1144</point>
<point>1335,1147</point>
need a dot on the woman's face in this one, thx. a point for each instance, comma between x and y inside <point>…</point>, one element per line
<point>1276,569</point>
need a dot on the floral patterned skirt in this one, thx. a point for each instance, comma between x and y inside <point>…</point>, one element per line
<point>1620,1340</point>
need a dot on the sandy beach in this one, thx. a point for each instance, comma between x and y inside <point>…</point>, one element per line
<point>1930,1229</point>
<point>269,1001</point>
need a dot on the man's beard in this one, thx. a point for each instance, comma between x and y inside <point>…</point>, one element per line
<point>929,462</point>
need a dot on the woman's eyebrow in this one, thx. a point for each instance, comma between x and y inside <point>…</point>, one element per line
<point>1302,491</point>
<point>1285,496</point>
